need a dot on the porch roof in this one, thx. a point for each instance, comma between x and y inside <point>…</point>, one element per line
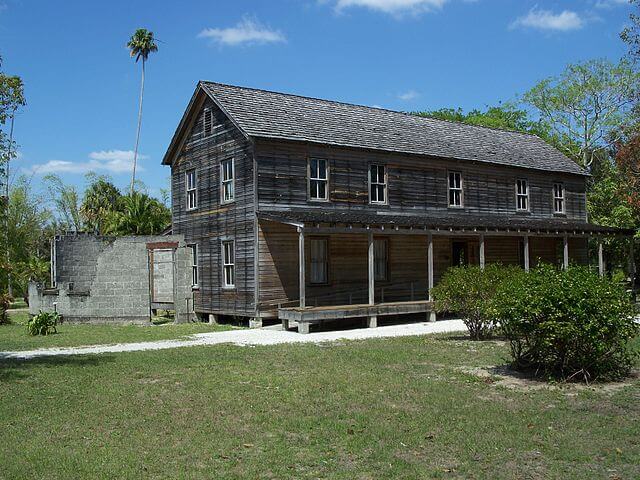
<point>479,223</point>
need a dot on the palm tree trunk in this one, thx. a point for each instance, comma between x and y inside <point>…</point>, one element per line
<point>6,229</point>
<point>135,151</point>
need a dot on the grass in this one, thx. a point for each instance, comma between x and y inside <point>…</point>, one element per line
<point>404,408</point>
<point>14,336</point>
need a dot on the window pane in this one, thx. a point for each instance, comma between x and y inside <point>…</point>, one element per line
<point>322,190</point>
<point>380,193</point>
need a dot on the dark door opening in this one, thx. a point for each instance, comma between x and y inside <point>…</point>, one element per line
<point>459,253</point>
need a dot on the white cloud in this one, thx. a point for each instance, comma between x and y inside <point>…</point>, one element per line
<point>408,95</point>
<point>394,7</point>
<point>249,31</point>
<point>547,20</point>
<point>610,3</point>
<point>113,161</point>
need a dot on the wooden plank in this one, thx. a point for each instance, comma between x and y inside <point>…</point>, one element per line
<point>430,266</point>
<point>316,314</point>
<point>482,258</point>
<point>600,258</point>
<point>527,259</point>
<point>301,269</point>
<point>371,270</point>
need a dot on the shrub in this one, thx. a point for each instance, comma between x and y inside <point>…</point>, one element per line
<point>569,324</point>
<point>44,323</point>
<point>469,291</point>
<point>5,302</point>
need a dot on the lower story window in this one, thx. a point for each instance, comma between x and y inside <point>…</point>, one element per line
<point>194,265</point>
<point>319,260</point>
<point>380,258</point>
<point>229,263</point>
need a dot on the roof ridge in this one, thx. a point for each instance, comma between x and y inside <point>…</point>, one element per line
<point>408,114</point>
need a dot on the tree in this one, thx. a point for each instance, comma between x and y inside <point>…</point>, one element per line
<point>66,202</point>
<point>138,214</point>
<point>11,99</point>
<point>631,34</point>
<point>141,44</point>
<point>101,198</point>
<point>586,105</point>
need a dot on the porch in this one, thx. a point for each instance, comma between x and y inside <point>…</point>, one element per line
<point>364,265</point>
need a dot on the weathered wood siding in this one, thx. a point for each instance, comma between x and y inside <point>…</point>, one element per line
<point>214,220</point>
<point>407,264</point>
<point>415,184</point>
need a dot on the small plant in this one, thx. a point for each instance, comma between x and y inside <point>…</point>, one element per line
<point>569,324</point>
<point>469,291</point>
<point>44,323</point>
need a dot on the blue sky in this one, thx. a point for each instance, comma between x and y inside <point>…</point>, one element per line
<point>82,87</point>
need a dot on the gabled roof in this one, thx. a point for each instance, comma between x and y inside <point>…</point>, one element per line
<point>273,115</point>
<point>265,114</point>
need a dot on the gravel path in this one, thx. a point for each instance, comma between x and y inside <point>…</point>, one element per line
<point>262,336</point>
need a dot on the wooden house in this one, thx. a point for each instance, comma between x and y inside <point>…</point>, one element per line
<point>310,210</point>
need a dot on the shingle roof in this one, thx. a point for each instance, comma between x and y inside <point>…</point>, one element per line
<point>261,113</point>
<point>456,222</point>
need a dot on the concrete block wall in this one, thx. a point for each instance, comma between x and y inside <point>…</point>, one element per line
<point>106,279</point>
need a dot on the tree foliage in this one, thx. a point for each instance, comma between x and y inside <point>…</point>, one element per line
<point>101,198</point>
<point>586,105</point>
<point>138,214</point>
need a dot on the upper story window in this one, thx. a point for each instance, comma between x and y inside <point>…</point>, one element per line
<point>377,184</point>
<point>194,265</point>
<point>319,260</point>
<point>455,189</point>
<point>227,180</point>
<point>558,198</point>
<point>318,179</point>
<point>522,195</point>
<point>228,263</point>
<point>207,123</point>
<point>191,184</point>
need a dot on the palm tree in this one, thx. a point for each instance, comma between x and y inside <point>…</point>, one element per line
<point>141,44</point>
<point>137,214</point>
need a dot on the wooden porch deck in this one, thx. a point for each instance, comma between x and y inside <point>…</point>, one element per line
<point>308,315</point>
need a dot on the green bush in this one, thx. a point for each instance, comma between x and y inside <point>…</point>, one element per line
<point>43,323</point>
<point>5,303</point>
<point>469,291</point>
<point>569,324</point>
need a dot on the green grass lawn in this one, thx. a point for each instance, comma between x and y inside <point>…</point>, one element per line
<point>15,337</point>
<point>404,408</point>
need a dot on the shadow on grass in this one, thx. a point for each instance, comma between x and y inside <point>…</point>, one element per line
<point>15,369</point>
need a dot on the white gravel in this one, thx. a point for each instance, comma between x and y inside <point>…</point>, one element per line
<point>262,336</point>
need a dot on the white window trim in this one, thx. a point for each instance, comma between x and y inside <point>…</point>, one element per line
<point>194,265</point>
<point>563,198</point>
<point>194,189</point>
<point>326,180</point>
<point>232,181</point>
<point>231,264</point>
<point>385,184</point>
<point>522,195</point>
<point>461,189</point>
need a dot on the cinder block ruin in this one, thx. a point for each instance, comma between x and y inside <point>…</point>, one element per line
<point>96,279</point>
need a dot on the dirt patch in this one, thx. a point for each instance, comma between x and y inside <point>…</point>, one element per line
<point>504,376</point>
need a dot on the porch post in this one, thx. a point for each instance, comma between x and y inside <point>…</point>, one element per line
<point>372,320</point>
<point>301,273</point>
<point>565,241</point>
<point>482,251</point>
<point>526,253</point>
<point>432,313</point>
<point>600,258</point>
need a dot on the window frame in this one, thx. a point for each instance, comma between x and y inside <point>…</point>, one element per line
<point>526,195</point>
<point>231,181</point>
<point>195,269</point>
<point>384,183</point>
<point>193,190</point>
<point>327,263</point>
<point>450,188</point>
<point>563,198</point>
<point>225,264</point>
<point>326,180</point>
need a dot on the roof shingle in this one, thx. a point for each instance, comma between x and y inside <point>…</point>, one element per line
<point>265,114</point>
